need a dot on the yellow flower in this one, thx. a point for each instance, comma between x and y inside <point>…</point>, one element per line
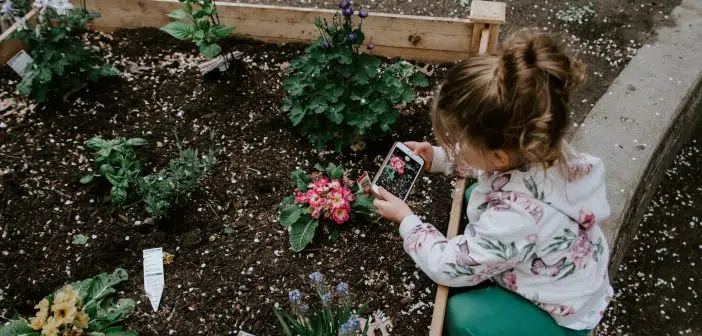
<point>82,319</point>
<point>50,328</point>
<point>38,322</point>
<point>64,313</point>
<point>67,293</point>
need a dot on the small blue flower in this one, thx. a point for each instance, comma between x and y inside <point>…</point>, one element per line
<point>316,277</point>
<point>351,326</point>
<point>325,44</point>
<point>326,298</point>
<point>294,296</point>
<point>352,36</point>
<point>363,13</point>
<point>342,288</point>
<point>344,4</point>
<point>347,11</point>
<point>304,307</point>
<point>6,7</point>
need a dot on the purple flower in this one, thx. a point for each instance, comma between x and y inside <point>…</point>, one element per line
<point>326,299</point>
<point>325,44</point>
<point>352,36</point>
<point>342,288</point>
<point>344,4</point>
<point>294,296</point>
<point>347,11</point>
<point>363,13</point>
<point>370,46</point>
<point>304,307</point>
<point>316,277</point>
<point>6,7</point>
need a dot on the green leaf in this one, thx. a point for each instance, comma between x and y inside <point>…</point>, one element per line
<point>407,96</point>
<point>320,168</point>
<point>364,202</point>
<point>136,142</point>
<point>87,178</point>
<point>335,172</point>
<point>179,29</point>
<point>118,194</point>
<point>221,31</point>
<point>102,285</point>
<point>79,239</point>
<point>17,328</point>
<point>335,114</point>
<point>45,75</point>
<point>335,231</point>
<point>302,233</point>
<point>178,14</point>
<point>210,50</point>
<point>300,179</point>
<point>418,79</point>
<point>290,214</point>
<point>296,115</point>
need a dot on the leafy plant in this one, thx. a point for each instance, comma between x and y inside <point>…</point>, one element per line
<point>116,161</point>
<point>161,190</point>
<point>84,307</point>
<point>326,195</point>
<point>337,315</point>
<point>336,94</point>
<point>61,60</point>
<point>199,24</point>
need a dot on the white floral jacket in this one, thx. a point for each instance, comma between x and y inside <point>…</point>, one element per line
<point>532,231</point>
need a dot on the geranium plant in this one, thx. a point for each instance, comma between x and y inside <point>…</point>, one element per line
<point>337,315</point>
<point>397,167</point>
<point>327,195</point>
<point>85,307</point>
<point>200,24</point>
<point>62,62</point>
<point>337,94</point>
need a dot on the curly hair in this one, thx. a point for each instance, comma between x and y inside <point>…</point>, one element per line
<point>516,100</point>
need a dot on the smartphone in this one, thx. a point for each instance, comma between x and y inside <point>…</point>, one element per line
<point>399,171</point>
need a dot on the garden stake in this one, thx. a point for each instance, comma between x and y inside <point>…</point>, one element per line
<point>437,319</point>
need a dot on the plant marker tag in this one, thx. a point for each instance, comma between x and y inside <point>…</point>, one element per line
<point>244,333</point>
<point>20,62</point>
<point>364,182</point>
<point>153,275</point>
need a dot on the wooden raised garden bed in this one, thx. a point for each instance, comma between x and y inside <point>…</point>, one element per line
<point>409,37</point>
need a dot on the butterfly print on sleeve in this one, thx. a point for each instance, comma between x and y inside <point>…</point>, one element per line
<point>538,266</point>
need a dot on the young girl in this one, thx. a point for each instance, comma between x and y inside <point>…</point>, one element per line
<point>534,211</point>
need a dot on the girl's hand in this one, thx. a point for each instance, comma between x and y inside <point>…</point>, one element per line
<point>391,207</point>
<point>423,149</point>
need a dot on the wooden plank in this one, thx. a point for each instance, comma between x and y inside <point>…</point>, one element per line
<point>412,37</point>
<point>437,319</point>
<point>6,34</point>
<point>475,38</point>
<point>488,11</point>
<point>494,37</point>
<point>8,47</point>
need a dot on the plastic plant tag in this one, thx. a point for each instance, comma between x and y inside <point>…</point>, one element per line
<point>364,182</point>
<point>153,276</point>
<point>20,62</point>
<point>244,333</point>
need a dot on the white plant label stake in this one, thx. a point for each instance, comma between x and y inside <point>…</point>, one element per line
<point>153,275</point>
<point>20,62</point>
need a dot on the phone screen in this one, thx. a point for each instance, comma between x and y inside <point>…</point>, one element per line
<point>399,173</point>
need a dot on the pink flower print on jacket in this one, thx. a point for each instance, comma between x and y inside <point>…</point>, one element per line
<point>577,171</point>
<point>498,198</point>
<point>556,309</point>
<point>463,258</point>
<point>510,281</point>
<point>415,240</point>
<point>581,249</point>
<point>490,270</point>
<point>586,219</point>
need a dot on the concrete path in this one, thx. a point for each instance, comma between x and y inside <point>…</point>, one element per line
<point>641,123</point>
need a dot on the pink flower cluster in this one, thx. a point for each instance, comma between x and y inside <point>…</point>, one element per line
<point>397,164</point>
<point>332,199</point>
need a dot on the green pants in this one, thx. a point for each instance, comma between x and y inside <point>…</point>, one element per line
<point>494,311</point>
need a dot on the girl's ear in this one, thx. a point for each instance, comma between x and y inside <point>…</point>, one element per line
<point>500,159</point>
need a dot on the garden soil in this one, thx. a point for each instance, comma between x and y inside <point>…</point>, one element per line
<point>218,282</point>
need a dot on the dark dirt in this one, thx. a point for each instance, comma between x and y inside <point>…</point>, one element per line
<point>604,42</point>
<point>217,282</point>
<point>659,284</point>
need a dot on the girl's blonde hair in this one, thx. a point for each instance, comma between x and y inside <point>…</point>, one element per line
<point>516,100</point>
